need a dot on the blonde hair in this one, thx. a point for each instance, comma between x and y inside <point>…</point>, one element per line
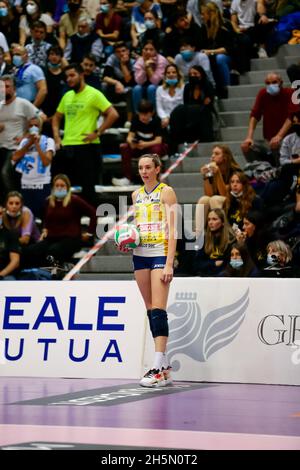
<point>215,17</point>
<point>283,248</point>
<point>67,198</point>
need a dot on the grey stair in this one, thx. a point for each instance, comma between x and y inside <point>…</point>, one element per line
<point>254,77</point>
<point>289,49</point>
<point>290,59</point>
<point>237,104</point>
<point>205,148</point>
<point>192,165</point>
<point>239,133</point>
<point>270,63</point>
<point>235,118</point>
<point>104,277</point>
<point>244,91</point>
<point>111,264</point>
<point>185,180</point>
<point>189,195</point>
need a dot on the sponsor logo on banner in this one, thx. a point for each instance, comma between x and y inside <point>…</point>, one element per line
<point>279,329</point>
<point>198,337</point>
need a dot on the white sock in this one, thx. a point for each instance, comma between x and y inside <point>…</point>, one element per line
<point>165,362</point>
<point>158,360</point>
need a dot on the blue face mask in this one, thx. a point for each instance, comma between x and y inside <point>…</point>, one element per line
<point>3,11</point>
<point>273,89</point>
<point>34,130</point>
<point>60,193</point>
<point>150,24</point>
<point>187,55</point>
<point>236,263</point>
<point>17,60</point>
<point>104,8</point>
<point>53,66</point>
<point>272,259</point>
<point>171,81</point>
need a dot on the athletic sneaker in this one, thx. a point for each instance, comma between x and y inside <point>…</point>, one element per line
<point>121,181</point>
<point>153,378</point>
<point>167,375</point>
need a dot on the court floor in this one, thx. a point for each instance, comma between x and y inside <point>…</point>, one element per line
<point>58,413</point>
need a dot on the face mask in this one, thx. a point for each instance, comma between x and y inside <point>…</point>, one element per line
<point>171,81</point>
<point>236,263</point>
<point>17,60</point>
<point>193,81</point>
<point>31,9</point>
<point>234,194</point>
<point>60,193</point>
<point>3,11</point>
<point>150,24</point>
<point>53,66</point>
<point>187,55</point>
<point>273,89</point>
<point>73,7</point>
<point>104,8</point>
<point>34,130</point>
<point>272,259</point>
<point>13,215</point>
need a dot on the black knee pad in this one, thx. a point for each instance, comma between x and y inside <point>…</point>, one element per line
<point>159,322</point>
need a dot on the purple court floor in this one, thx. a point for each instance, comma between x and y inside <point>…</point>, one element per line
<point>85,413</point>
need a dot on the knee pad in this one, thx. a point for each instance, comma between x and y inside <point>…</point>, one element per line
<point>159,322</point>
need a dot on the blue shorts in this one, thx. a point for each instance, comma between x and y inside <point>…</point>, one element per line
<point>149,262</point>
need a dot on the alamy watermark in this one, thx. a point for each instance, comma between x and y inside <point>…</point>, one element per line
<point>183,216</point>
<point>296,354</point>
<point>296,94</point>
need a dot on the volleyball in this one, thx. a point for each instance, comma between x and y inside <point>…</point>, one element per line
<point>127,235</point>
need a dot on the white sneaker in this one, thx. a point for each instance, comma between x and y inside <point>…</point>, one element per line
<point>167,375</point>
<point>121,182</point>
<point>153,378</point>
<point>262,53</point>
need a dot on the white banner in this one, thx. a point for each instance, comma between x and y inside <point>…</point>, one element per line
<point>71,329</point>
<point>221,330</point>
<point>233,330</point>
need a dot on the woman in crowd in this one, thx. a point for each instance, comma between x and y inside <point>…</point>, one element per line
<point>218,240</point>
<point>279,261</point>
<point>33,13</point>
<point>241,264</point>
<point>61,236</point>
<point>216,175</point>
<point>19,218</point>
<point>169,94</point>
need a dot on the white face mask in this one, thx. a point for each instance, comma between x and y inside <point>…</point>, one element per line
<point>31,9</point>
<point>234,194</point>
<point>13,214</point>
<point>273,89</point>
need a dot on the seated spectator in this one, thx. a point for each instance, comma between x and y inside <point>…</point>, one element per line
<point>118,77</point>
<point>194,119</point>
<point>218,240</point>
<point>108,25</point>
<point>33,160</point>
<point>188,57</point>
<point>240,198</point>
<point>90,71</point>
<point>148,73</point>
<point>274,105</point>
<point>138,21</point>
<point>9,252</point>
<point>181,27</point>
<point>4,47</point>
<point>255,237</point>
<point>217,44</point>
<point>33,13</point>
<point>216,175</point>
<point>19,218</point>
<point>170,94</point>
<point>145,136</point>
<point>61,236</point>
<point>30,79</point>
<point>241,264</point>
<point>153,31</point>
<point>37,48</point>
<point>85,41</point>
<point>279,261</point>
